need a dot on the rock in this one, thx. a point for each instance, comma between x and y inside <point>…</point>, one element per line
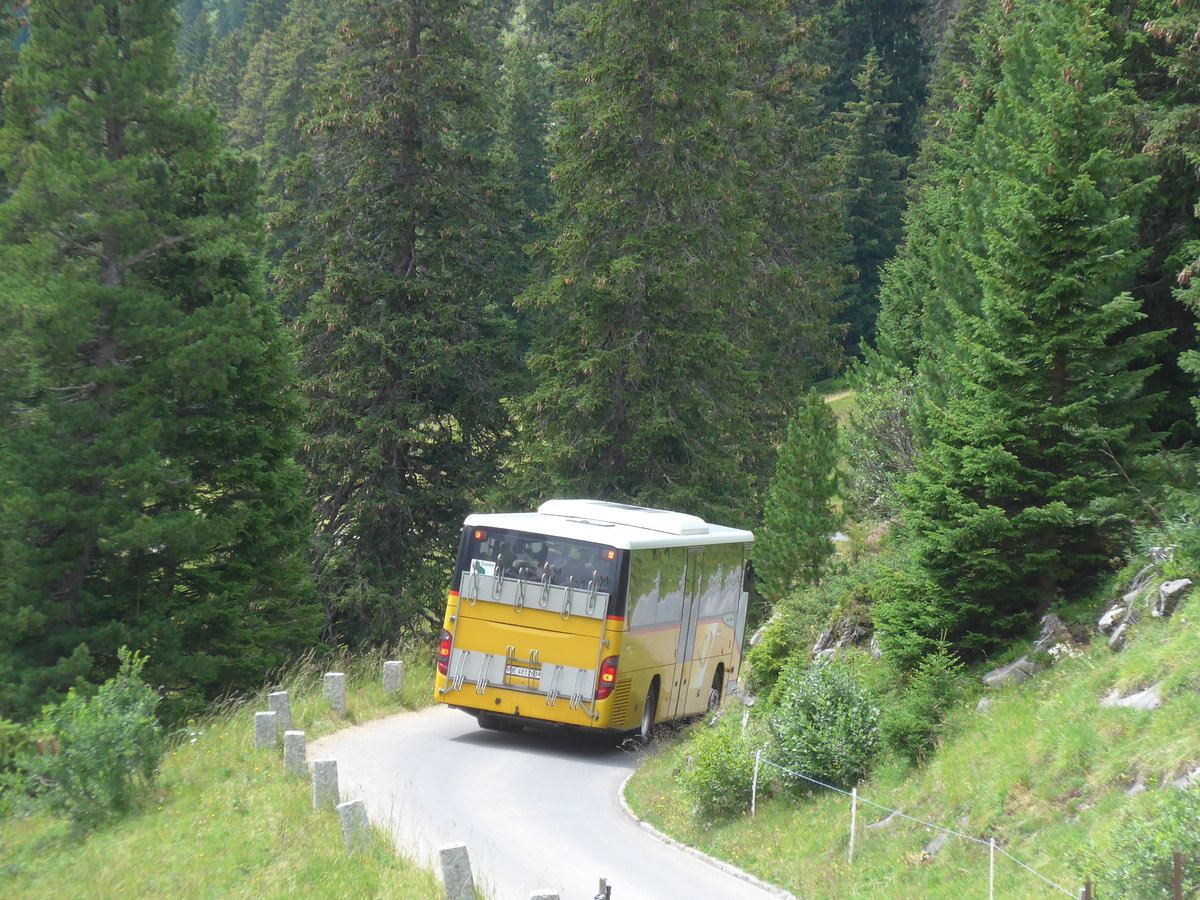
<point>1169,595</point>
<point>843,633</point>
<point>885,822</point>
<point>1112,618</point>
<point>1138,786</point>
<point>938,842</point>
<point>985,704</point>
<point>1119,638</point>
<point>1146,699</point>
<point>1054,631</point>
<point>1191,779</point>
<point>1013,673</point>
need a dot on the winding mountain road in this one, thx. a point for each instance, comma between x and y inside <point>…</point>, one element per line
<point>537,810</point>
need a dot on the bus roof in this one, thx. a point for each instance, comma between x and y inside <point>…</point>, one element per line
<point>614,525</point>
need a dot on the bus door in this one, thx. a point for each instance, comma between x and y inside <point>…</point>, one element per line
<point>687,632</point>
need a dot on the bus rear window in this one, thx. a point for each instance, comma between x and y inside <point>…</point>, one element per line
<point>536,557</point>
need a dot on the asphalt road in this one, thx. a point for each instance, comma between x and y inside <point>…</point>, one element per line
<point>537,810</point>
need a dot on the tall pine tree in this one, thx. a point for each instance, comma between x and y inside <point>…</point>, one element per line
<point>662,292</point>
<point>408,345</point>
<point>147,402</point>
<point>1042,401</point>
<point>799,520</point>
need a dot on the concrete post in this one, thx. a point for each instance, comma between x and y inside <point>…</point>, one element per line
<point>325,783</point>
<point>335,691</point>
<point>355,829</point>
<point>295,753</point>
<point>393,676</point>
<point>279,704</point>
<point>266,732</point>
<point>456,872</point>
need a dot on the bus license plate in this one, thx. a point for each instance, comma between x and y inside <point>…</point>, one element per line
<point>523,672</point>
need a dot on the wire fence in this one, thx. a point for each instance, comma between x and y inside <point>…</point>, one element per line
<point>993,848</point>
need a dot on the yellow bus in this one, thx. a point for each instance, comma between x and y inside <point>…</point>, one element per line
<point>593,615</point>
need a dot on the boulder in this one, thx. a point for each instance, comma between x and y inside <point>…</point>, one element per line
<point>1145,699</point>
<point>1169,595</point>
<point>1112,618</point>
<point>1013,673</point>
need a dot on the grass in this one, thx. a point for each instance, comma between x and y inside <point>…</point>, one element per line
<point>223,820</point>
<point>1045,771</point>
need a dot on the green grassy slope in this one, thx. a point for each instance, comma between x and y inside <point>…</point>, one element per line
<point>1046,771</point>
<point>224,820</point>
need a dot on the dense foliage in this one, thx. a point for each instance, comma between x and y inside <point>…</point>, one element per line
<point>495,251</point>
<point>147,398</point>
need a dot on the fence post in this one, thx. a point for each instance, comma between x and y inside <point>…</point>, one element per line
<point>853,820</point>
<point>295,755</point>
<point>393,676</point>
<point>356,830</point>
<point>1085,892</point>
<point>456,872</point>
<point>335,691</point>
<point>992,869</point>
<point>1177,861</point>
<point>278,703</point>
<point>754,784</point>
<point>266,732</point>
<point>325,783</point>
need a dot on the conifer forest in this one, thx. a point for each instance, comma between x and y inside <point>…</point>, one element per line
<point>289,287</point>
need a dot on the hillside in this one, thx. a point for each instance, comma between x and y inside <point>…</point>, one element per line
<point>1042,767</point>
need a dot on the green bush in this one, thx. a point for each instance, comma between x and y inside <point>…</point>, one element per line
<point>718,778</point>
<point>910,724</point>
<point>1138,863</point>
<point>823,725</point>
<point>109,747</point>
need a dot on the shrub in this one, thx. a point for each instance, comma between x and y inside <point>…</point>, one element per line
<point>911,723</point>
<point>1138,864</point>
<point>719,776</point>
<point>109,746</point>
<point>823,724</point>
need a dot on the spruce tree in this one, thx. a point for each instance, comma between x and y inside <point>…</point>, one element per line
<point>799,520</point>
<point>147,402</point>
<point>663,289</point>
<point>1043,380</point>
<point>405,323</point>
<point>873,194</point>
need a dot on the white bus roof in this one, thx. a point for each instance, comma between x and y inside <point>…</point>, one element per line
<point>614,525</point>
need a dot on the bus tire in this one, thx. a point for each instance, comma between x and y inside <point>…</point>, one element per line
<point>646,731</point>
<point>714,695</point>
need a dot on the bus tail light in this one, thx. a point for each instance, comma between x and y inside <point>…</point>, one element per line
<point>443,662</point>
<point>608,677</point>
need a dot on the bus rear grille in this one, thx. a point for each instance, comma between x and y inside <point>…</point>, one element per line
<point>620,705</point>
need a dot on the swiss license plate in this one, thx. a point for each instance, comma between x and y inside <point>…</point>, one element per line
<point>523,672</point>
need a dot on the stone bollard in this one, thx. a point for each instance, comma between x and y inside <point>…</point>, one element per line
<point>355,829</point>
<point>325,783</point>
<point>279,704</point>
<point>295,753</point>
<point>335,691</point>
<point>393,676</point>
<point>456,872</point>
<point>266,732</point>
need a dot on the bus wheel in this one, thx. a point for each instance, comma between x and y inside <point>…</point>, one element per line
<point>714,696</point>
<point>646,731</point>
